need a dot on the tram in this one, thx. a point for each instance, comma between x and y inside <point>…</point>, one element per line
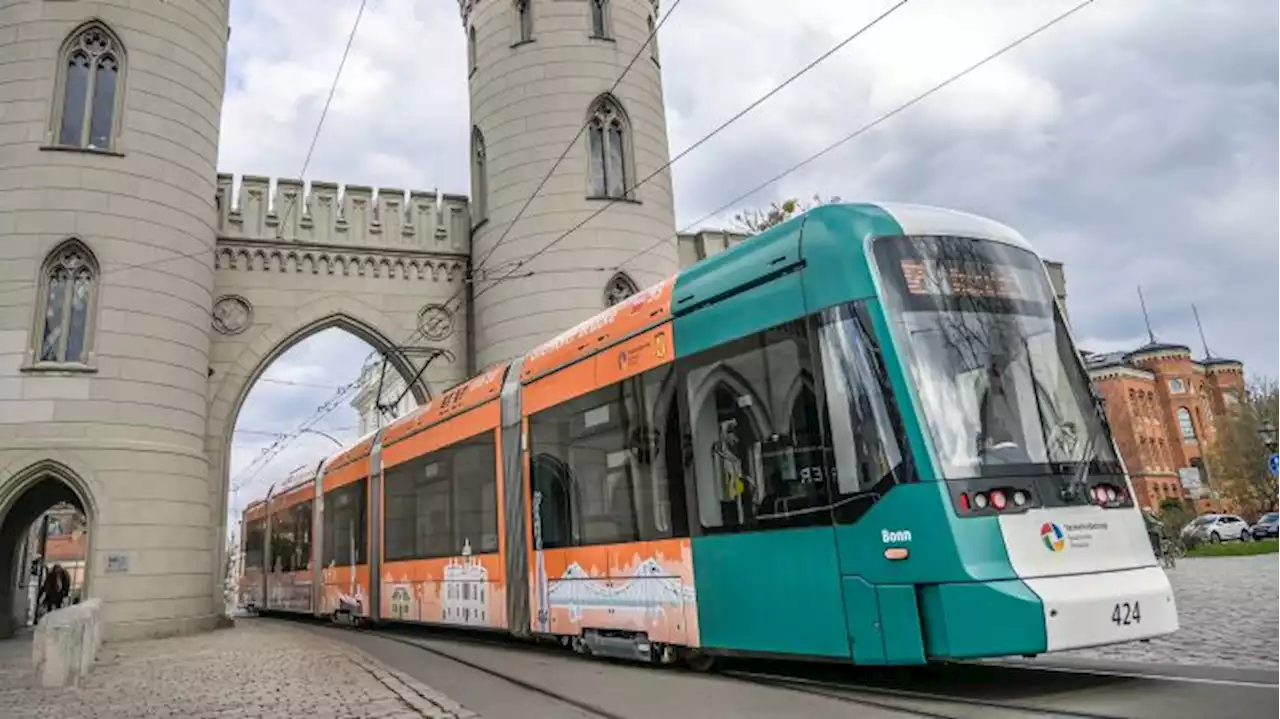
<point>864,435</point>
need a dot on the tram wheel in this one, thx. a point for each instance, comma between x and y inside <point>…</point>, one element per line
<point>699,661</point>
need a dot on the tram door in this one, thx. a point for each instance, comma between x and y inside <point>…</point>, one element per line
<point>765,561</point>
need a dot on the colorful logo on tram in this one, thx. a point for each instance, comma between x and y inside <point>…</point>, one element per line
<point>1055,540</point>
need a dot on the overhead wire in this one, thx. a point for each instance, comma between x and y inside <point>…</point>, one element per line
<point>856,133</point>
<point>808,160</point>
<point>741,113</point>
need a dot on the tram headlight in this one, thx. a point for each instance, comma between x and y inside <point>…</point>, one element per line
<point>1111,494</point>
<point>1019,498</point>
<point>980,501</point>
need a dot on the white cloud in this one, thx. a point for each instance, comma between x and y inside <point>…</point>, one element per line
<point>1135,140</point>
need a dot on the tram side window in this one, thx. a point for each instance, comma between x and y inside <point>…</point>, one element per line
<point>282,541</point>
<point>254,535</point>
<point>345,525</point>
<point>602,469</point>
<point>300,559</point>
<point>864,431</point>
<point>443,502</point>
<point>758,450</point>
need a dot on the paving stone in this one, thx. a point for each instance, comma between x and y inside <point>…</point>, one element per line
<point>1228,612</point>
<point>256,669</point>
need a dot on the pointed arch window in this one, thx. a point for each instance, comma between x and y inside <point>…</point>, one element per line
<point>479,178</point>
<point>524,20</point>
<point>600,19</point>
<point>619,288</point>
<point>653,40</point>
<point>67,303</point>
<point>608,150</point>
<point>1185,424</point>
<point>89,84</point>
<point>471,49</point>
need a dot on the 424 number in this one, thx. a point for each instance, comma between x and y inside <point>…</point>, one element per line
<point>1125,614</point>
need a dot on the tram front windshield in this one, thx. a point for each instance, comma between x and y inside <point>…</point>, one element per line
<point>997,377</point>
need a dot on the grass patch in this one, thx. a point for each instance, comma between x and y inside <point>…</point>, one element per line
<point>1235,549</point>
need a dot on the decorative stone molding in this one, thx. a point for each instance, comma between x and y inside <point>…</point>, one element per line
<point>356,216</point>
<point>232,314</point>
<point>262,257</point>
<point>436,322</point>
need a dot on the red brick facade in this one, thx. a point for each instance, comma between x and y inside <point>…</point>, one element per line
<point>1161,404</point>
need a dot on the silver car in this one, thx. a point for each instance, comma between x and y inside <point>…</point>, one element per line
<point>1216,528</point>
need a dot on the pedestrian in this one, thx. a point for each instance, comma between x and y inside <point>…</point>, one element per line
<point>57,584</point>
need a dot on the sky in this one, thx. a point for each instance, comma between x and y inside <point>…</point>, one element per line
<point>1135,141</point>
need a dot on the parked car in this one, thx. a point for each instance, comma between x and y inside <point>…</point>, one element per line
<point>1216,528</point>
<point>1266,526</point>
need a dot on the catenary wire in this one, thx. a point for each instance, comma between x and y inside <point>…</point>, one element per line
<point>861,130</point>
<point>741,113</point>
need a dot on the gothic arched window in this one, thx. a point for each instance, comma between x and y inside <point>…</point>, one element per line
<point>1185,424</point>
<point>653,40</point>
<point>608,149</point>
<point>471,49</point>
<point>89,82</point>
<point>479,178</point>
<point>524,20</point>
<point>619,288</point>
<point>68,294</point>
<point>599,18</point>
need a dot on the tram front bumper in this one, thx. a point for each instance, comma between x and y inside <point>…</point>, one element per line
<point>1087,610</point>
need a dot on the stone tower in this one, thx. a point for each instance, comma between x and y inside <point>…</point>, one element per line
<point>540,70</point>
<point>108,147</point>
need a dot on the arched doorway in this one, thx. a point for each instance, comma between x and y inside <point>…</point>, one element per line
<point>46,519</point>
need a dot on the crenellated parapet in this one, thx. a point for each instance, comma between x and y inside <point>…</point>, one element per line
<point>354,216</point>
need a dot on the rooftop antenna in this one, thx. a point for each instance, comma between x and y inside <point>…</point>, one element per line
<point>1145,317</point>
<point>1200,327</point>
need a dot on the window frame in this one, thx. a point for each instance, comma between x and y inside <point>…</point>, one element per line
<point>605,110</point>
<point>35,345</point>
<point>1187,428</point>
<point>473,62</point>
<point>839,509</point>
<point>602,10</point>
<point>57,103</point>
<point>479,156</point>
<point>522,21</point>
<point>652,27</point>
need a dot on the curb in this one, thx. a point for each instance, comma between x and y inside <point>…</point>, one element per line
<point>421,698</point>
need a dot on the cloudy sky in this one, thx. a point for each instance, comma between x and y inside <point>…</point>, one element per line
<point>1135,141</point>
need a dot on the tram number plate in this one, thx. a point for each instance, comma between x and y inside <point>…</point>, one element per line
<point>1125,614</point>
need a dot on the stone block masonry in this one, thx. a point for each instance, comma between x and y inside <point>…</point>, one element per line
<point>256,669</point>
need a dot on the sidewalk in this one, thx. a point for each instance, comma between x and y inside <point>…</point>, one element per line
<point>255,670</point>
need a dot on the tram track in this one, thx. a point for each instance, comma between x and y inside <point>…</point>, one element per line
<point>891,700</point>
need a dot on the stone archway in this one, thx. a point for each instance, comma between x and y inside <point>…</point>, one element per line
<point>25,494</point>
<point>232,381</point>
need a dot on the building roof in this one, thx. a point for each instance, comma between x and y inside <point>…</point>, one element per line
<point>1126,358</point>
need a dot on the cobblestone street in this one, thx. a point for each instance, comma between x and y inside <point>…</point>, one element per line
<point>1227,609</point>
<point>257,669</point>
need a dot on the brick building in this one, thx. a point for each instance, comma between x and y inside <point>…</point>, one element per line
<point>1161,404</point>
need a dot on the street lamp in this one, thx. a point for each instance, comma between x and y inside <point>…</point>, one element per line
<point>1268,434</point>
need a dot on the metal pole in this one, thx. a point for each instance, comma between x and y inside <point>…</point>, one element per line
<point>44,563</point>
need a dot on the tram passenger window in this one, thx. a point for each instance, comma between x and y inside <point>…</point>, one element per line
<point>758,452</point>
<point>601,467</point>
<point>282,541</point>
<point>302,536</point>
<point>345,525</point>
<point>254,536</point>
<point>475,479</point>
<point>865,431</point>
<point>440,503</point>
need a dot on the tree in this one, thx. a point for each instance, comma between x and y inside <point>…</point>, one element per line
<point>1174,515</point>
<point>1238,456</point>
<point>753,221</point>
